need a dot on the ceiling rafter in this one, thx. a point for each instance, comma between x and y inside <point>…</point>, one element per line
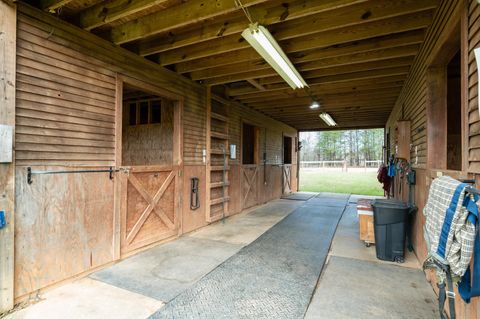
<point>371,44</point>
<point>303,37</point>
<point>322,88</point>
<point>311,54</point>
<point>355,96</point>
<point>267,14</point>
<point>175,17</point>
<point>243,70</point>
<point>329,78</point>
<point>295,105</point>
<point>104,13</point>
<point>49,5</point>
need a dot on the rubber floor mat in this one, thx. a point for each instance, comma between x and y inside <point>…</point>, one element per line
<point>273,277</point>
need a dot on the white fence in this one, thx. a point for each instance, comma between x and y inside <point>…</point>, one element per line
<point>340,165</point>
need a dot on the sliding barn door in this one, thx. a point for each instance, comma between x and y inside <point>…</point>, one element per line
<point>150,206</point>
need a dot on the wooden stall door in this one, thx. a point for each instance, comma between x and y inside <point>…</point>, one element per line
<point>249,185</point>
<point>287,179</point>
<point>150,206</point>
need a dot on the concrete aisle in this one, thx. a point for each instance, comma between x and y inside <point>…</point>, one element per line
<point>263,263</point>
<point>355,284</point>
<point>273,277</point>
<point>140,285</point>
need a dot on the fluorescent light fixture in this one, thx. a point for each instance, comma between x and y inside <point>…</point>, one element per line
<point>314,105</point>
<point>328,119</point>
<point>264,43</point>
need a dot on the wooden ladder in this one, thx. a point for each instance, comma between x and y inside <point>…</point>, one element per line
<point>217,157</point>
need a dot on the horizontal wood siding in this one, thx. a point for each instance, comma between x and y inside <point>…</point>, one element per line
<point>88,65</point>
<point>65,112</point>
<point>473,111</point>
<point>411,103</point>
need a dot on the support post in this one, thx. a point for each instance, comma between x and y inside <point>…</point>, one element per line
<point>8,26</point>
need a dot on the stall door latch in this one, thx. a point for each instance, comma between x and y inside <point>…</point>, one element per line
<point>194,198</point>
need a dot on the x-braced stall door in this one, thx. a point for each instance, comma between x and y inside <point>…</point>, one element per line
<point>150,206</point>
<point>287,178</point>
<point>249,185</point>
<point>287,165</point>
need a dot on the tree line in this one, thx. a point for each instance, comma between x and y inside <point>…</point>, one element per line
<point>354,146</point>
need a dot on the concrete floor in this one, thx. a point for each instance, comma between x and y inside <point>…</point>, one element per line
<point>353,284</point>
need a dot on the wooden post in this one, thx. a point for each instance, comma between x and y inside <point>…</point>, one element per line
<point>118,163</point>
<point>206,155</point>
<point>8,25</point>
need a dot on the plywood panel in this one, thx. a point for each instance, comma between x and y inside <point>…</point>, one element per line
<point>150,144</point>
<point>64,227</point>
<point>193,219</point>
<point>150,209</point>
<point>8,19</point>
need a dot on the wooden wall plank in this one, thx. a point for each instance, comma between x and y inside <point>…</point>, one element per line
<point>8,17</point>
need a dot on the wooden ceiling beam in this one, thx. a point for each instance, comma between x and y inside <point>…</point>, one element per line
<point>304,37</point>
<point>104,13</point>
<point>306,101</point>
<point>342,121</point>
<point>51,5</point>
<point>182,15</point>
<point>256,85</point>
<point>324,88</point>
<point>329,96</point>
<point>296,106</point>
<point>384,111</point>
<point>371,114</point>
<point>235,23</point>
<point>261,69</point>
<point>372,44</point>
<point>325,128</point>
<point>391,63</point>
<point>324,79</point>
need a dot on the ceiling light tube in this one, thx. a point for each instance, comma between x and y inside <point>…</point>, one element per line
<point>314,105</point>
<point>328,119</point>
<point>264,43</point>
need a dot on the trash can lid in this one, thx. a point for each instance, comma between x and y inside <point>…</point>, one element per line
<point>389,203</point>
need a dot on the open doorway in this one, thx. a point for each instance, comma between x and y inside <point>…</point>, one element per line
<point>147,131</point>
<point>150,144</point>
<point>454,114</point>
<point>341,161</point>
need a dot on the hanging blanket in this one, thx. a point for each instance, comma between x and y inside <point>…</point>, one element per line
<point>449,228</point>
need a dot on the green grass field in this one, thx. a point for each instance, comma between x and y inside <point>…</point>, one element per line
<point>359,183</point>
